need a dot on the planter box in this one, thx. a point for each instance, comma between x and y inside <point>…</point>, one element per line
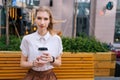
<point>74,66</point>
<point>105,64</point>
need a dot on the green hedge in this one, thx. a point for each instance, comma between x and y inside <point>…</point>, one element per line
<point>79,44</point>
<point>83,44</point>
<point>13,44</point>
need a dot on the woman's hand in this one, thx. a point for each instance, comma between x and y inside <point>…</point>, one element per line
<point>47,57</point>
<point>42,60</point>
<point>39,63</point>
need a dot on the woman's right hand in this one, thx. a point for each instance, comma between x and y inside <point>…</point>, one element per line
<point>39,62</point>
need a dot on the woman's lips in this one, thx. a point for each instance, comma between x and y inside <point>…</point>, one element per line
<point>41,26</point>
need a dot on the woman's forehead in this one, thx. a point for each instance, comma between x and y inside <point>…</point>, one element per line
<point>43,13</point>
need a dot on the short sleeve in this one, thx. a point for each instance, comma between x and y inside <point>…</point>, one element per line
<point>24,47</point>
<point>60,50</point>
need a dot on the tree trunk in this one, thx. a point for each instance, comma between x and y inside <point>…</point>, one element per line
<point>7,22</point>
<point>75,19</point>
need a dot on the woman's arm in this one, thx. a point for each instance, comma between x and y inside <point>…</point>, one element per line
<point>57,62</point>
<point>24,62</point>
<point>35,63</point>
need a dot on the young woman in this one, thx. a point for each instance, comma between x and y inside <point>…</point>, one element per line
<point>40,62</point>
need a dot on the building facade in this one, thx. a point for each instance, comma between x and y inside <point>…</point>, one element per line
<point>102,21</point>
<point>93,17</point>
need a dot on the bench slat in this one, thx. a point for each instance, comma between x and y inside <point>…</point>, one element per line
<point>65,71</point>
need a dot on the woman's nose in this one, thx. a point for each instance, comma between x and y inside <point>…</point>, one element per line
<point>42,21</point>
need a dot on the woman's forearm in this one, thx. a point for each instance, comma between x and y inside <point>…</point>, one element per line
<point>26,64</point>
<point>57,62</point>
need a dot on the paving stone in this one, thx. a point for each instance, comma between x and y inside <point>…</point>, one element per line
<point>107,78</point>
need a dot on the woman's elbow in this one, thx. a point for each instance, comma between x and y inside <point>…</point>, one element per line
<point>21,64</point>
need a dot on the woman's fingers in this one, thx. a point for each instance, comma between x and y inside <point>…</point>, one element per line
<point>44,58</point>
<point>39,63</point>
<point>47,57</point>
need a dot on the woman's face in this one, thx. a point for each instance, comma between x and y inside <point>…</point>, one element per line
<point>42,20</point>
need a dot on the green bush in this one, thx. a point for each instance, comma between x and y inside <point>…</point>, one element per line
<point>78,44</point>
<point>14,43</point>
<point>83,44</point>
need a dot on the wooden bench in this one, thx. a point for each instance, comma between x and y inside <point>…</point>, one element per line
<point>74,67</point>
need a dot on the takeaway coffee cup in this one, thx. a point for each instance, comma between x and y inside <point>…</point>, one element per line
<point>42,50</point>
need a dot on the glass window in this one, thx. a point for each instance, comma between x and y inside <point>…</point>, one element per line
<point>83,17</point>
<point>117,24</point>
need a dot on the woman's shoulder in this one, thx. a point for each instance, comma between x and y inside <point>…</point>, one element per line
<point>28,36</point>
<point>56,37</point>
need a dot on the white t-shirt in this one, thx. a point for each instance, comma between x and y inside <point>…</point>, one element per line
<point>30,44</point>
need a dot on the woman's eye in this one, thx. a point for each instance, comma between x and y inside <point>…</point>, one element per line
<point>45,18</point>
<point>38,18</point>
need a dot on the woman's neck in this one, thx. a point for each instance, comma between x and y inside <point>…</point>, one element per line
<point>42,33</point>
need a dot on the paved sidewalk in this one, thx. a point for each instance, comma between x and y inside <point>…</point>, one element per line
<point>107,78</point>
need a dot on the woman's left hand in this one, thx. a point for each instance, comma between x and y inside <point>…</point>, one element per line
<point>45,57</point>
